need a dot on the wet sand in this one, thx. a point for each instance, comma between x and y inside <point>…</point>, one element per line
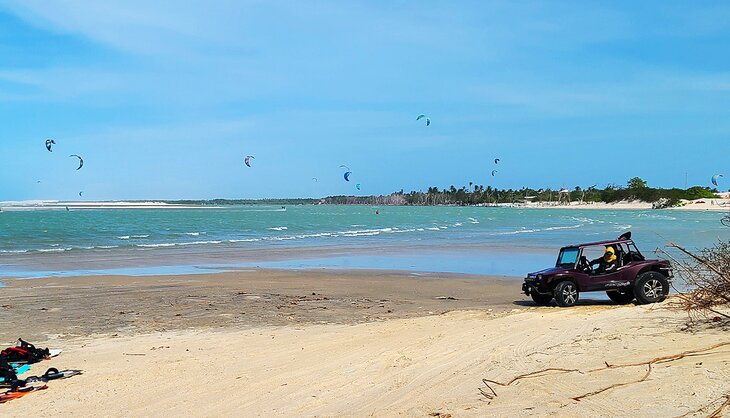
<point>41,309</point>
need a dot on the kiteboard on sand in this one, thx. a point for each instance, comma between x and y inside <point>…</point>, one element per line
<point>20,392</point>
<point>53,374</point>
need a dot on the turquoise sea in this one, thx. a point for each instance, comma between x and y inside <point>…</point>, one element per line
<point>474,240</point>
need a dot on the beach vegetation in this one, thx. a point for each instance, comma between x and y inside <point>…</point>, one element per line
<point>706,273</point>
<point>637,190</point>
<point>473,194</point>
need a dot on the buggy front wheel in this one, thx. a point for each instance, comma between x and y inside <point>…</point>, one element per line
<point>566,294</point>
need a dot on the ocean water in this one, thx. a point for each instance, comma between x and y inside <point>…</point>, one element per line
<point>474,240</point>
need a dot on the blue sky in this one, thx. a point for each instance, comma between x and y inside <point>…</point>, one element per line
<point>164,99</point>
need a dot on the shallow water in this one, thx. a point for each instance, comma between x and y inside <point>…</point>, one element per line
<point>474,240</point>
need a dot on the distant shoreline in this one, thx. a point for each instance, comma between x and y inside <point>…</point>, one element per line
<point>718,205</point>
<point>63,205</point>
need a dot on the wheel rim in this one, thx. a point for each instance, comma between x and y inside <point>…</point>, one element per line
<point>653,289</point>
<point>570,295</point>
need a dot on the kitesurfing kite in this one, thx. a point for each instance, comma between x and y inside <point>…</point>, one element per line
<point>496,160</point>
<point>422,116</point>
<point>494,172</point>
<point>247,160</point>
<point>315,179</point>
<point>347,175</point>
<point>81,160</point>
<point>357,186</point>
<point>715,177</point>
<point>49,144</point>
<point>81,194</point>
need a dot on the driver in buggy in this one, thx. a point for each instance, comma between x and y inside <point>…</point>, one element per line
<point>606,264</point>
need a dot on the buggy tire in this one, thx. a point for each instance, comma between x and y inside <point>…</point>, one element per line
<point>540,299</point>
<point>566,294</point>
<point>621,297</point>
<point>651,287</point>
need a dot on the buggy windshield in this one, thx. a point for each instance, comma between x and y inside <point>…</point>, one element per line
<point>568,257</point>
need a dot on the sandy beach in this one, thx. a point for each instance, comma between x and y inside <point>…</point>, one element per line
<point>721,204</point>
<point>353,343</point>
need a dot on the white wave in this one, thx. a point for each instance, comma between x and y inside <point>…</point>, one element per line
<point>278,228</point>
<point>99,247</point>
<point>529,231</point>
<point>199,242</point>
<point>284,238</point>
<point>457,224</point>
<point>321,234</point>
<point>366,231</point>
<point>473,221</point>
<point>194,234</point>
<point>556,228</point>
<point>653,216</point>
<point>167,244</point>
<point>54,250</point>
<point>433,229</point>
<point>361,234</point>
<point>519,231</point>
<point>126,237</point>
<point>13,251</point>
<point>584,220</point>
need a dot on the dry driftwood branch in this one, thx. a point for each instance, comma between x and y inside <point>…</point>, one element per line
<point>649,363</point>
<point>615,385</point>
<point>696,258</point>
<point>520,377</point>
<point>663,359</point>
<point>698,284</point>
<point>707,274</point>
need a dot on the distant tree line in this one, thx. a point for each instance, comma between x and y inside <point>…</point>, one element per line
<point>474,194</point>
